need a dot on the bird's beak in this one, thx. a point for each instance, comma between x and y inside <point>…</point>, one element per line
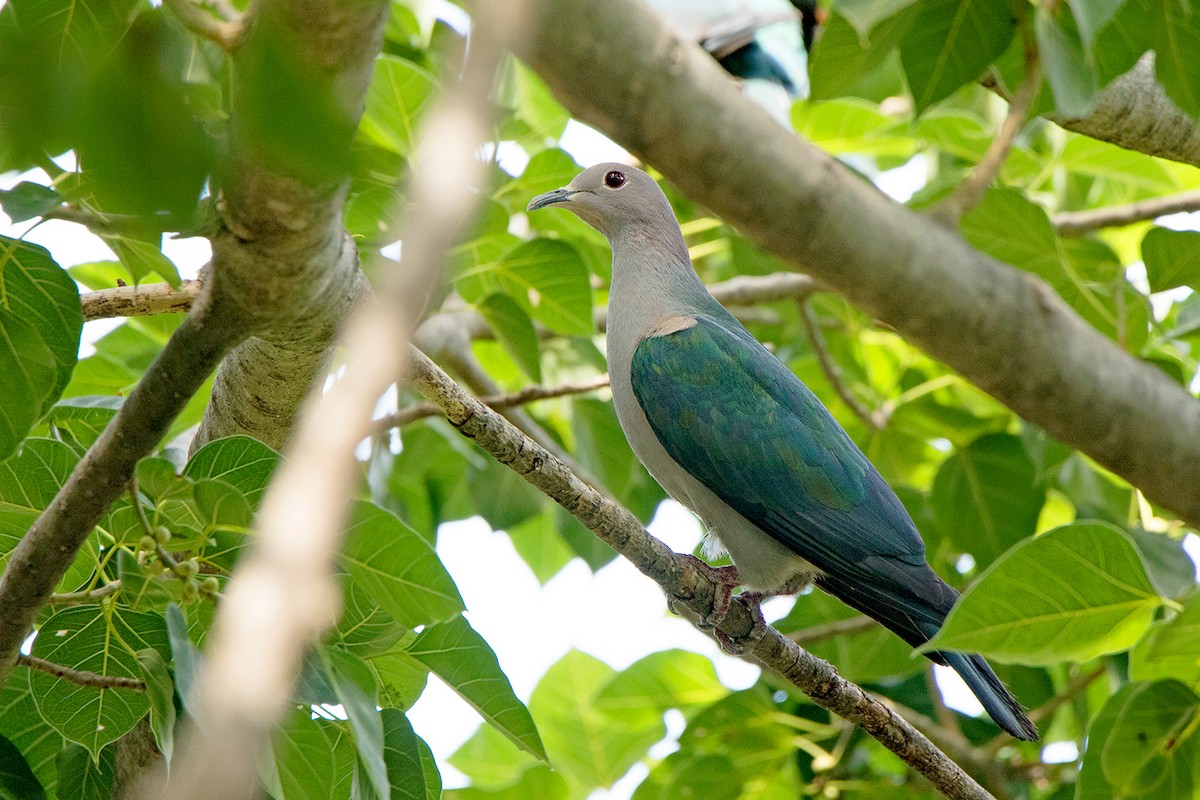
<point>550,199</point>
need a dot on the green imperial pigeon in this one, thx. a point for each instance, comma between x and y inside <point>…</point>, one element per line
<point>732,434</point>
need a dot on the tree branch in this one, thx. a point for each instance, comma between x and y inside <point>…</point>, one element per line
<point>971,191</point>
<point>81,677</point>
<point>496,402</point>
<point>284,595</point>
<point>1077,223</point>
<point>85,597</point>
<point>683,580</point>
<point>139,301</point>
<point>616,67</point>
<point>833,373</point>
<point>224,33</point>
<point>832,630</point>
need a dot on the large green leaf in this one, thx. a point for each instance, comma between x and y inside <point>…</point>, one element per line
<point>1172,258</point>
<point>313,759</point>
<point>546,277</point>
<point>514,329</point>
<point>354,686</point>
<point>88,638</point>
<point>459,656</point>
<point>588,746</point>
<point>20,724</point>
<point>244,463</point>
<point>1074,593</point>
<point>662,680</point>
<point>1134,746</point>
<point>950,43</point>
<point>399,92</point>
<point>398,568</point>
<point>402,756</point>
<point>986,498</point>
<point>1176,41</point>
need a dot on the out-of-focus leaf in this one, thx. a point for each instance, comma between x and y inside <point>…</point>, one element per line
<point>143,258</point>
<point>21,725</point>
<point>161,691</point>
<point>864,656</point>
<point>547,278</point>
<point>459,656</point>
<point>1064,57</point>
<point>950,43</point>
<point>27,200</point>
<point>514,329</point>
<point>842,56</point>
<point>17,780</point>
<point>82,777</point>
<point>398,94</point>
<point>1176,41</point>
<point>354,686</point>
<point>1073,593</point>
<point>1134,749</point>
<point>1179,638</point>
<point>1172,258</point>
<point>662,680</point>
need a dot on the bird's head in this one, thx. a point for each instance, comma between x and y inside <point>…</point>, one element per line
<point>615,199</point>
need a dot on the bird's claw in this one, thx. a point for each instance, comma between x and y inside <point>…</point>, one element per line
<point>740,645</point>
<point>723,579</point>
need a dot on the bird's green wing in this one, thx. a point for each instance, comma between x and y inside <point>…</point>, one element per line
<point>741,423</point>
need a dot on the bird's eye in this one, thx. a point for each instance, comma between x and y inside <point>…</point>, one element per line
<point>614,179</point>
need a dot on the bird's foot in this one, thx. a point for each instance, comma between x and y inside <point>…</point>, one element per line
<point>723,579</point>
<point>744,643</point>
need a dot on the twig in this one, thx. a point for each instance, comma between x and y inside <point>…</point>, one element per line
<point>832,630</point>
<point>971,191</point>
<point>224,33</point>
<point>85,597</point>
<point>139,301</point>
<point>684,581</point>
<point>1077,223</point>
<point>498,402</point>
<point>283,595</point>
<point>876,419</point>
<point>82,677</point>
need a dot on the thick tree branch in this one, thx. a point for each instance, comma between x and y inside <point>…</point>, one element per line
<point>1077,223</point>
<point>283,249</point>
<point>284,594</point>
<point>685,582</point>
<point>616,67</point>
<point>1134,112</point>
<point>92,680</point>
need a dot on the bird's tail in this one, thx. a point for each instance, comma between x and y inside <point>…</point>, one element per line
<point>907,606</point>
<point>996,700</point>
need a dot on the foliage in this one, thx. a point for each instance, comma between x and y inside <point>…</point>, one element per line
<point>1067,569</point>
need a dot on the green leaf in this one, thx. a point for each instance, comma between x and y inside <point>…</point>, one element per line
<point>539,781</point>
<point>1092,16</point>
<point>1172,258</point>
<point>143,258</point>
<point>851,126</point>
<point>1179,638</point>
<point>986,497</point>
<point>17,781</point>
<point>400,677</point>
<point>21,724</point>
<point>241,461</point>
<point>80,420</point>
<point>842,57</point>
<point>28,200</point>
<point>950,43</point>
<point>589,747</point>
<point>29,482</point>
<point>1074,593</point>
<point>40,324</point>
<point>313,758</point>
<point>89,639</point>
<point>1007,226</point>
<point>186,659</point>
<point>1064,57</point>
<point>1134,749</point>
<point>402,755</point>
<point>161,691</point>
<point>864,15</point>
<point>398,568</point>
<point>82,777</point>
<point>354,686</point>
<point>1176,41</point>
<point>514,329</point>
<point>659,681</point>
<point>548,278</point>
<point>398,94</point>
<point>459,656</point>
<point>539,545</point>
